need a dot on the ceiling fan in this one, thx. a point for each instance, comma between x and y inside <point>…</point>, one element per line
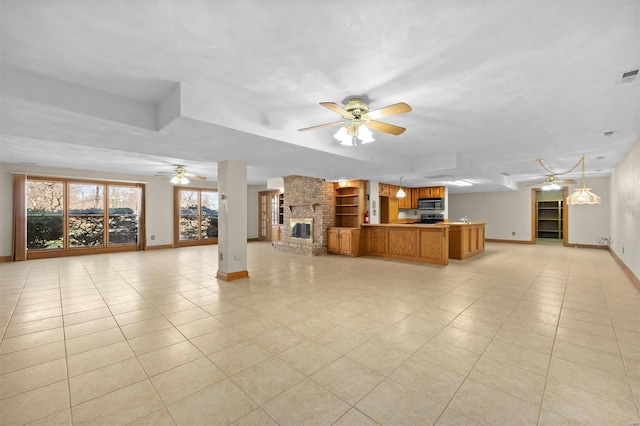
<point>551,181</point>
<point>357,119</point>
<point>180,175</point>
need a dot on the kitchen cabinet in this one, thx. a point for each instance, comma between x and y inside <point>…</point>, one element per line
<point>431,192</point>
<point>414,198</point>
<point>393,210</point>
<point>465,239</point>
<point>344,241</point>
<point>383,189</point>
<point>405,203</point>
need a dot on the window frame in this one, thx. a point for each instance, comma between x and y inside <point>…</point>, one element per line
<point>177,241</point>
<point>20,219</point>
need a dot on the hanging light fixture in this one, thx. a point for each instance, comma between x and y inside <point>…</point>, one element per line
<point>179,180</point>
<point>400,193</point>
<point>349,135</point>
<point>583,195</point>
<point>551,186</point>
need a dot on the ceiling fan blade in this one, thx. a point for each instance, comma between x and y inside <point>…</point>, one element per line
<point>191,175</point>
<point>395,109</point>
<point>565,181</point>
<point>384,127</point>
<point>338,109</point>
<point>320,126</point>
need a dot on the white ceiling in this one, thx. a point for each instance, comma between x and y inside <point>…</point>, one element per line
<point>136,87</point>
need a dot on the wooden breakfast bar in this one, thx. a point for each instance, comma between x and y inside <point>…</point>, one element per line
<point>414,242</point>
<point>465,239</point>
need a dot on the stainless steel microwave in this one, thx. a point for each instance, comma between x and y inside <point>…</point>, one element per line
<point>431,203</point>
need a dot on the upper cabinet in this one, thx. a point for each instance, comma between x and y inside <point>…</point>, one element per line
<point>383,189</point>
<point>431,192</point>
<point>410,201</point>
<point>407,202</point>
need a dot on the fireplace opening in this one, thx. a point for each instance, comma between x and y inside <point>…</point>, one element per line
<point>301,229</point>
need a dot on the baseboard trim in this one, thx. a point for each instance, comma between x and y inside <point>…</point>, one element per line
<point>590,246</point>
<point>231,276</point>
<point>159,247</point>
<point>625,268</point>
<point>494,240</point>
<point>251,240</point>
<point>6,259</point>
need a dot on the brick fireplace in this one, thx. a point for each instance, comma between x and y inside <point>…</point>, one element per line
<point>310,200</point>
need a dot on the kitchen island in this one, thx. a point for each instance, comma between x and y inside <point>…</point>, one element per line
<point>465,239</point>
<point>414,242</point>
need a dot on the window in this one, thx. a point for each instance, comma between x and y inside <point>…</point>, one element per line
<point>86,215</point>
<point>123,214</point>
<point>66,215</point>
<point>197,216</point>
<point>45,207</point>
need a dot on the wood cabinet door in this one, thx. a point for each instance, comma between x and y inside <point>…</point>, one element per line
<point>393,210</point>
<point>405,203</point>
<point>392,191</point>
<point>383,189</point>
<point>423,192</point>
<point>333,241</point>
<point>414,198</point>
<point>346,242</point>
<point>437,191</point>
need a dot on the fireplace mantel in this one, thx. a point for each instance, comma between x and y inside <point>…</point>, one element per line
<point>312,205</point>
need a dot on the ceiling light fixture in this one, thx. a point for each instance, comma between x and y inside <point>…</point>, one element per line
<point>551,186</point>
<point>349,135</point>
<point>401,193</point>
<point>582,195</point>
<point>179,179</point>
<point>460,183</point>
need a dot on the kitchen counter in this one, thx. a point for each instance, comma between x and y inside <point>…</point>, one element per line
<point>415,242</point>
<point>465,239</point>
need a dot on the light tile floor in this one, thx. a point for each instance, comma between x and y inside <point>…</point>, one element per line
<point>520,335</point>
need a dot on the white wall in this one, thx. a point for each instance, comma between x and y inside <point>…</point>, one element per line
<point>159,201</point>
<point>510,211</point>
<point>625,209</point>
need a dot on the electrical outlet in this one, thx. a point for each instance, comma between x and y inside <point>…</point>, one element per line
<point>220,256</point>
<point>513,233</point>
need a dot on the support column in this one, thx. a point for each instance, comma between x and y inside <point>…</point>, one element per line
<point>232,221</point>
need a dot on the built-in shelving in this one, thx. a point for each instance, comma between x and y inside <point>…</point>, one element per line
<point>349,204</point>
<point>549,219</point>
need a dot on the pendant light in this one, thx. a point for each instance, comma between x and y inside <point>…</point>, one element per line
<point>400,193</point>
<point>583,195</point>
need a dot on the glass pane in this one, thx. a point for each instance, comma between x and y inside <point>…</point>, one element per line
<point>123,214</point>
<point>45,206</point>
<point>274,209</point>
<point>86,215</point>
<point>188,215</point>
<point>209,207</point>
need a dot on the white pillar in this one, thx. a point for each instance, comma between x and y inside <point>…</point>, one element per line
<point>232,221</point>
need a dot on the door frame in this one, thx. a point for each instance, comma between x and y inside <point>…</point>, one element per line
<point>565,216</point>
<point>268,232</point>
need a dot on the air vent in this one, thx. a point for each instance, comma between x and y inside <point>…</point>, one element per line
<point>26,163</point>
<point>608,134</point>
<point>505,174</point>
<point>627,76</point>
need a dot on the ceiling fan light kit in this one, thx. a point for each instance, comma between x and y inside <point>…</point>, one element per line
<point>582,195</point>
<point>180,176</point>
<point>357,121</point>
<point>179,180</point>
